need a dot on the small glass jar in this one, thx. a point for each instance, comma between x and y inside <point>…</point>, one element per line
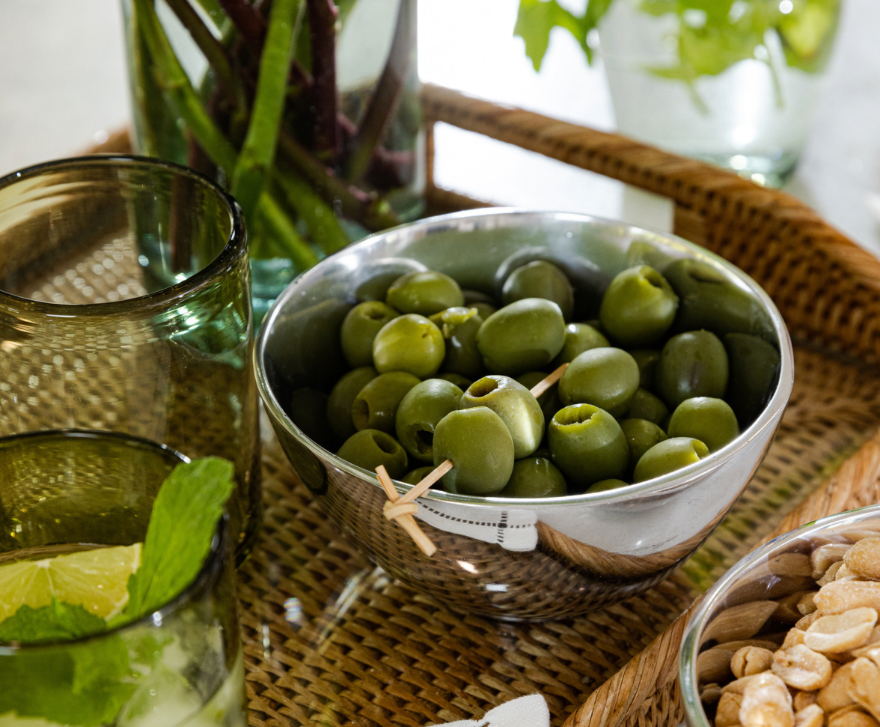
<point>735,85</point>
<point>125,307</point>
<point>182,665</point>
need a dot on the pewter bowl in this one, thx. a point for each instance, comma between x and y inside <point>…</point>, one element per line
<point>508,558</point>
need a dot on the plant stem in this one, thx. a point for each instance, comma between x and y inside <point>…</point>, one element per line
<point>258,150</point>
<point>248,21</point>
<point>315,212</point>
<point>322,26</point>
<point>171,77</point>
<point>372,212</point>
<point>210,47</point>
<point>387,93</point>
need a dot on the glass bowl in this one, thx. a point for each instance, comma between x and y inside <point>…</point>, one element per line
<point>509,558</point>
<point>771,572</point>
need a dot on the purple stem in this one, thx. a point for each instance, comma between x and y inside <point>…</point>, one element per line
<point>322,27</point>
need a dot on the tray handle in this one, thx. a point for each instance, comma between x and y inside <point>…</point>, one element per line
<point>653,673</point>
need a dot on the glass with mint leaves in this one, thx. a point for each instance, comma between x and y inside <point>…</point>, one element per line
<point>117,595</point>
<point>732,82</point>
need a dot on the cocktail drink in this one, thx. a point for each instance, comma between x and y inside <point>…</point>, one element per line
<point>117,598</point>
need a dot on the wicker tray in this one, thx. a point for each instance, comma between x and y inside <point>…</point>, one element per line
<point>330,640</point>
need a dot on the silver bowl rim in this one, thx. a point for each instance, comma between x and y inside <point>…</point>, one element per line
<point>690,644</point>
<point>515,217</point>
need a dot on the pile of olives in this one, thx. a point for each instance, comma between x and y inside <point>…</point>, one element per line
<point>440,373</point>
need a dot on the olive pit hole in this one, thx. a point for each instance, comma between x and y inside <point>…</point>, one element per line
<point>575,415</point>
<point>482,387</point>
<point>425,441</point>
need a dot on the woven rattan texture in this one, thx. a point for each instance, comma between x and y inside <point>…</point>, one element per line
<point>331,641</point>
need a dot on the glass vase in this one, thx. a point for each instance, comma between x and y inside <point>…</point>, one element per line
<point>732,83</point>
<point>347,159</point>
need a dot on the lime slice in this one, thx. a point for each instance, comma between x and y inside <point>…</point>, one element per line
<point>95,579</point>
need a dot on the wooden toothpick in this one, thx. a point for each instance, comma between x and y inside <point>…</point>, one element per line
<point>401,509</point>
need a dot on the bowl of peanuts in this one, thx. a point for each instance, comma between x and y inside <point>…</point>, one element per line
<point>789,637</point>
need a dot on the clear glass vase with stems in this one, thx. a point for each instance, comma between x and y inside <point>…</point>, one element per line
<point>305,110</point>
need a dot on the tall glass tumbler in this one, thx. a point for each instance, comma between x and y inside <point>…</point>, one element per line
<point>125,307</point>
<point>66,492</point>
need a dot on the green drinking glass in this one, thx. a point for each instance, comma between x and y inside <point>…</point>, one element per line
<point>125,306</point>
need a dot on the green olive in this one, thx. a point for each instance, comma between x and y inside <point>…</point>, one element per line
<point>424,293</point>
<point>604,377</point>
<point>535,477</point>
<point>359,329</point>
<point>692,364</point>
<point>369,448</point>
<point>524,335</point>
<point>308,412</point>
<point>423,406</point>
<point>409,343</point>
<point>708,299</point>
<point>549,400</point>
<point>484,309</point>
<point>647,359</point>
<point>540,279</point>
<point>459,327</point>
<point>669,456</point>
<point>638,307</point>
<point>754,371</point>
<point>606,485</point>
<point>480,447</point>
<point>516,406</point>
<point>645,405</point>
<point>462,382</point>
<point>375,406</point>
<point>579,337</point>
<point>587,444</point>
<point>413,477</point>
<point>641,435</point>
<point>712,421</point>
<point>342,397</point>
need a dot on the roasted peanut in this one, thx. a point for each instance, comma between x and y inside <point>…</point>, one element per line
<point>864,685</point>
<point>871,643</point>
<point>787,611</point>
<point>740,622</point>
<point>713,665</point>
<point>863,559</point>
<point>802,668</point>
<point>710,693</point>
<point>811,716</point>
<point>766,703</point>
<point>851,717</point>
<point>738,686</point>
<point>750,660</point>
<point>805,622</point>
<point>830,574</point>
<point>807,605</point>
<point>841,632</point>
<point>794,637</point>
<point>790,564</point>
<point>727,714</point>
<point>844,574</point>
<point>825,556</point>
<point>834,696</point>
<point>841,596</point>
<point>802,700</point>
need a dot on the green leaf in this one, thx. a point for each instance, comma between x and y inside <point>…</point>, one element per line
<point>182,526</point>
<point>807,33</point>
<point>58,621</point>
<point>78,684</point>
<point>536,18</point>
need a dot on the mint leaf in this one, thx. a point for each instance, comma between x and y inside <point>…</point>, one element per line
<point>78,684</point>
<point>536,18</point>
<point>184,519</point>
<point>58,621</point>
